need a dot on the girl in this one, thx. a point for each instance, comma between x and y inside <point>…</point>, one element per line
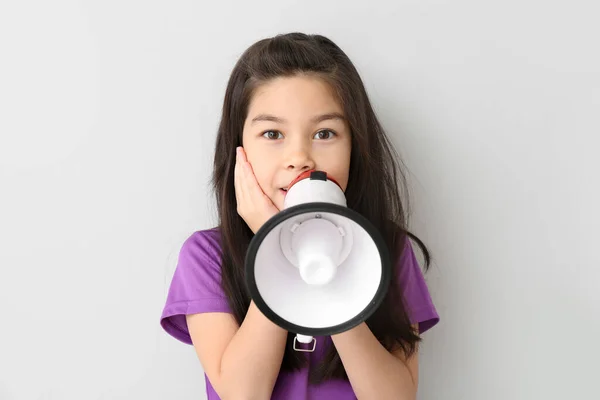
<point>294,103</point>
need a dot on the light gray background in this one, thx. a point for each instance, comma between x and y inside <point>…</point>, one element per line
<point>108,114</point>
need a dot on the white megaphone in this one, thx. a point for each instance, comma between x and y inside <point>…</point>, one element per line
<point>317,268</point>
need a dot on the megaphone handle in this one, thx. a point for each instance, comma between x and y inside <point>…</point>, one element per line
<point>305,339</point>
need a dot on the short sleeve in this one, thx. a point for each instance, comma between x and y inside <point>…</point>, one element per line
<point>417,299</point>
<point>196,284</point>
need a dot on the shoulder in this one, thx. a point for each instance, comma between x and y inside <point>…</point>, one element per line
<point>201,249</point>
<point>207,239</point>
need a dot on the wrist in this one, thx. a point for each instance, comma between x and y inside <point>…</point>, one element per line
<point>265,322</point>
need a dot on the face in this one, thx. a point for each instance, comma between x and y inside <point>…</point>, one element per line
<point>295,124</point>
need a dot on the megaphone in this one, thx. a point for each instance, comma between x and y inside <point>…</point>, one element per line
<point>317,268</point>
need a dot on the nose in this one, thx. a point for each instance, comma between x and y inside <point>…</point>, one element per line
<point>299,159</point>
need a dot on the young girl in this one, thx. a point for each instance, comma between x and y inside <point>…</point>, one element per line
<point>295,103</point>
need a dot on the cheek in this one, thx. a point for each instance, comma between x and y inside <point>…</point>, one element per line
<point>343,181</point>
<point>254,160</point>
<point>261,164</point>
<point>262,172</point>
<point>340,169</point>
<point>339,172</point>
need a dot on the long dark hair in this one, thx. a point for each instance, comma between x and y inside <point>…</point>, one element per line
<point>374,185</point>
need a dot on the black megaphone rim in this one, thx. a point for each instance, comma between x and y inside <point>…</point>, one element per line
<point>324,207</point>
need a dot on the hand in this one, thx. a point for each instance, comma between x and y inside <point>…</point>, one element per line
<point>253,205</point>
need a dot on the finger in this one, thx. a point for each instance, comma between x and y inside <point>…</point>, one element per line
<point>246,179</point>
<point>248,172</point>
<point>252,188</point>
<point>256,196</point>
<point>242,154</point>
<point>238,179</point>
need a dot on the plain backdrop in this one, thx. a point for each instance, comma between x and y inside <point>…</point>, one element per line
<point>108,116</point>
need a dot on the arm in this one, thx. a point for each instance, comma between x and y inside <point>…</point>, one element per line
<point>374,372</point>
<point>241,362</point>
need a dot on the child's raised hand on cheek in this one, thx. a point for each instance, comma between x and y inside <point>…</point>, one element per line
<point>253,205</point>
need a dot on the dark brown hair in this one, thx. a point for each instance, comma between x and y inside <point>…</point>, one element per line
<point>374,186</point>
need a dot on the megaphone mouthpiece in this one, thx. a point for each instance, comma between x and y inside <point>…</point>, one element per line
<point>312,174</point>
<point>311,187</point>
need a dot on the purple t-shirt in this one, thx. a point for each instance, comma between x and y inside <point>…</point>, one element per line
<point>196,288</point>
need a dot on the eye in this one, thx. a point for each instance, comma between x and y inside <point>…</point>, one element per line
<point>324,134</point>
<point>272,135</point>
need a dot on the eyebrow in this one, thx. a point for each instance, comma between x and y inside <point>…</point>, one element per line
<point>315,120</point>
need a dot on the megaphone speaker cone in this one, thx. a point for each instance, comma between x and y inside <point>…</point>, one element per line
<point>317,267</point>
<point>342,297</point>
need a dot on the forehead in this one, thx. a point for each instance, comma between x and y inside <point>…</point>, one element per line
<point>297,96</point>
